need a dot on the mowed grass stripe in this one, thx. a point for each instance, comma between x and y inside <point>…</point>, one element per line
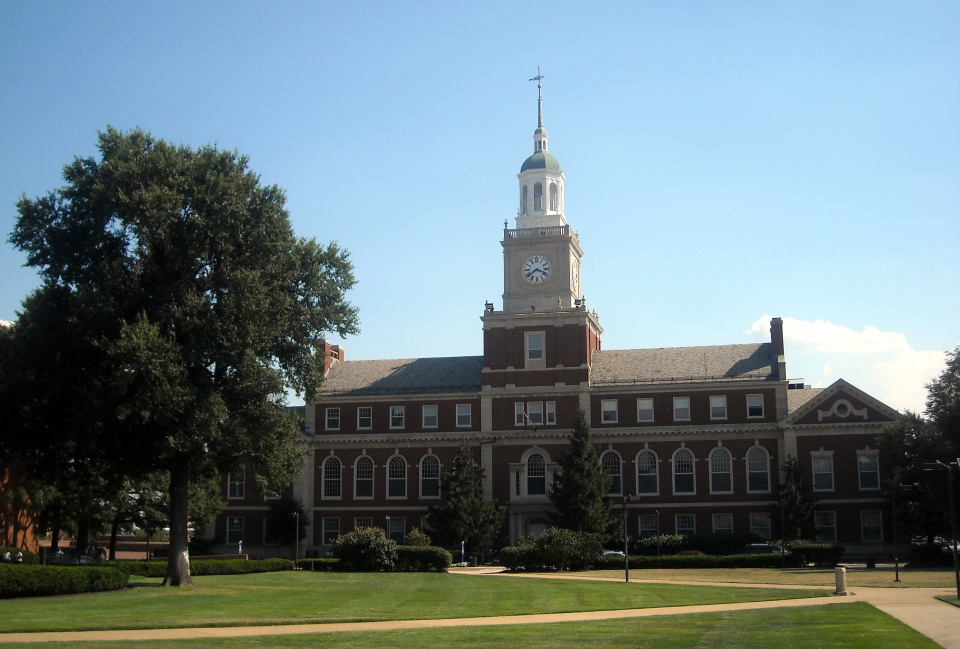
<point>304,597</point>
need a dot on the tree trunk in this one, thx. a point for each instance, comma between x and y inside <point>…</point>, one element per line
<point>178,560</point>
<point>83,535</point>
<point>55,536</point>
<point>114,530</point>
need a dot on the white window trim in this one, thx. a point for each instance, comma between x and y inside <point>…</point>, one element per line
<point>402,410</point>
<point>604,409</point>
<point>323,529</point>
<point>652,412</point>
<point>241,530</point>
<point>534,363</point>
<point>813,473</point>
<point>323,478</point>
<point>422,478</point>
<point>722,417</point>
<point>875,454</point>
<point>326,418</point>
<point>550,413</point>
<point>746,461</point>
<point>729,472</point>
<point>689,413</point>
<point>469,415</point>
<point>762,409</point>
<point>676,524</point>
<point>673,473</point>
<point>373,473</point>
<point>619,474</point>
<point>655,474</point>
<point>370,417</point>
<point>436,416</point>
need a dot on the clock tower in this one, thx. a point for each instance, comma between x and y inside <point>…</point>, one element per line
<point>544,337</point>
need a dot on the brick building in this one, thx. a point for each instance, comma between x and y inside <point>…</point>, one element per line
<point>694,435</point>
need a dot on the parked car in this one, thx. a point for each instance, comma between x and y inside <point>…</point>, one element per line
<point>611,554</point>
<point>688,553</point>
<point>83,560</point>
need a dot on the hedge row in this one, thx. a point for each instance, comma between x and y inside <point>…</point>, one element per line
<point>411,558</point>
<point>43,581</point>
<point>29,558</point>
<point>158,569</point>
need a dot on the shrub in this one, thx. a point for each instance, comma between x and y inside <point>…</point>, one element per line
<point>556,548</point>
<point>29,558</point>
<point>366,550</point>
<point>417,538</point>
<point>511,557</point>
<point>418,558</point>
<point>819,554</point>
<point>930,554</point>
<point>667,543</point>
<point>158,569</point>
<point>43,581</point>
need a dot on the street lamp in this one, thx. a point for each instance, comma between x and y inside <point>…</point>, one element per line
<point>940,466</point>
<point>896,550</point>
<point>296,538</point>
<point>626,543</point>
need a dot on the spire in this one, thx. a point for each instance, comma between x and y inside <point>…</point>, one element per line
<point>538,78</point>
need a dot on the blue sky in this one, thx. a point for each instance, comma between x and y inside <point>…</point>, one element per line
<point>726,161</point>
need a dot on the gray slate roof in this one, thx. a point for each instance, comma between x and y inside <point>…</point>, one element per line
<point>796,398</point>
<point>675,364</point>
<point>405,376</point>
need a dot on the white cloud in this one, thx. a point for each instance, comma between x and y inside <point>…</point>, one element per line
<point>5,323</point>
<point>882,363</point>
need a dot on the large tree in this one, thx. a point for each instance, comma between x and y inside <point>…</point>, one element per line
<point>943,400</point>
<point>796,507</point>
<point>906,444</point>
<point>465,514</point>
<point>579,489</point>
<point>195,306</point>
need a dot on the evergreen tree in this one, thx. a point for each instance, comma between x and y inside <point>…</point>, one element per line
<point>943,401</point>
<point>465,515</point>
<point>796,509</point>
<point>579,489</point>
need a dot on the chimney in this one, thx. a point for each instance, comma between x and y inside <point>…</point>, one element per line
<point>331,353</point>
<point>776,346</point>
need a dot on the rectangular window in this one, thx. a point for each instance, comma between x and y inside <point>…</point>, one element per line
<point>362,522</point>
<point>463,414</point>
<point>823,472</point>
<point>234,529</point>
<point>686,524</point>
<point>333,419</point>
<point>396,416</point>
<point>519,414</point>
<point>868,466</point>
<point>235,484</point>
<point>429,416</point>
<point>681,408</point>
<point>608,411</point>
<point>760,525</point>
<point>723,523</point>
<point>644,410</point>
<point>551,413</point>
<point>364,418</point>
<point>331,530</point>
<point>718,407</point>
<point>398,528</point>
<point>648,525</point>
<point>535,347</point>
<point>754,405</point>
<point>825,526</point>
<point>535,412</point>
<point>871,526</point>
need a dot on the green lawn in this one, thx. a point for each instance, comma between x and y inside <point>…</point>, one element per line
<point>305,597</point>
<point>839,626</point>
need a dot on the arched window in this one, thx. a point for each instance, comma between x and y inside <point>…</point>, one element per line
<point>331,478</point>
<point>758,470</point>
<point>721,481</point>
<point>523,200</point>
<point>683,482</point>
<point>610,462</point>
<point>430,477</point>
<point>554,198</point>
<point>363,472</point>
<point>537,197</point>
<point>647,472</point>
<point>536,475</point>
<point>397,477</point>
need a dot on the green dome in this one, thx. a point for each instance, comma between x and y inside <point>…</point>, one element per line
<point>540,160</point>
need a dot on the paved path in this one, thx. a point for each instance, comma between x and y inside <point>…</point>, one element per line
<point>916,607</point>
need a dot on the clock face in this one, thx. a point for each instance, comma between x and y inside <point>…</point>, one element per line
<point>536,269</point>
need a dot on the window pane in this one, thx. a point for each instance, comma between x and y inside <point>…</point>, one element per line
<point>396,416</point>
<point>611,466</point>
<point>758,472</point>
<point>686,524</point>
<point>430,416</point>
<point>463,414</point>
<point>720,464</point>
<point>723,523</point>
<point>683,472</point>
<point>868,466</point>
<point>331,478</point>
<point>646,473</point>
<point>364,478</point>
<point>718,407</point>
<point>536,475</point>
<point>551,412</point>
<point>644,409</point>
<point>754,405</point>
<point>681,408</point>
<point>760,524</point>
<point>535,412</point>
<point>430,477</point>
<point>397,478</point>
<point>608,409</point>
<point>333,418</point>
<point>364,417</point>
<point>823,473</point>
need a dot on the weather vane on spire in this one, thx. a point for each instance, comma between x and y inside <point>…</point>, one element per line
<point>538,78</point>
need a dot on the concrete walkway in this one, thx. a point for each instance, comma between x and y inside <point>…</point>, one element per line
<point>916,607</point>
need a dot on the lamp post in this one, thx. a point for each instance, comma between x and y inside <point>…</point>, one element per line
<point>896,548</point>
<point>296,538</point>
<point>940,466</point>
<point>626,542</point>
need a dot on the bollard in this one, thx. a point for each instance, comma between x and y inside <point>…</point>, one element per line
<point>841,575</point>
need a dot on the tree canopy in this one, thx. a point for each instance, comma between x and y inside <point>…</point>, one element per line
<point>943,400</point>
<point>579,489</point>
<point>465,514</point>
<point>178,307</point>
